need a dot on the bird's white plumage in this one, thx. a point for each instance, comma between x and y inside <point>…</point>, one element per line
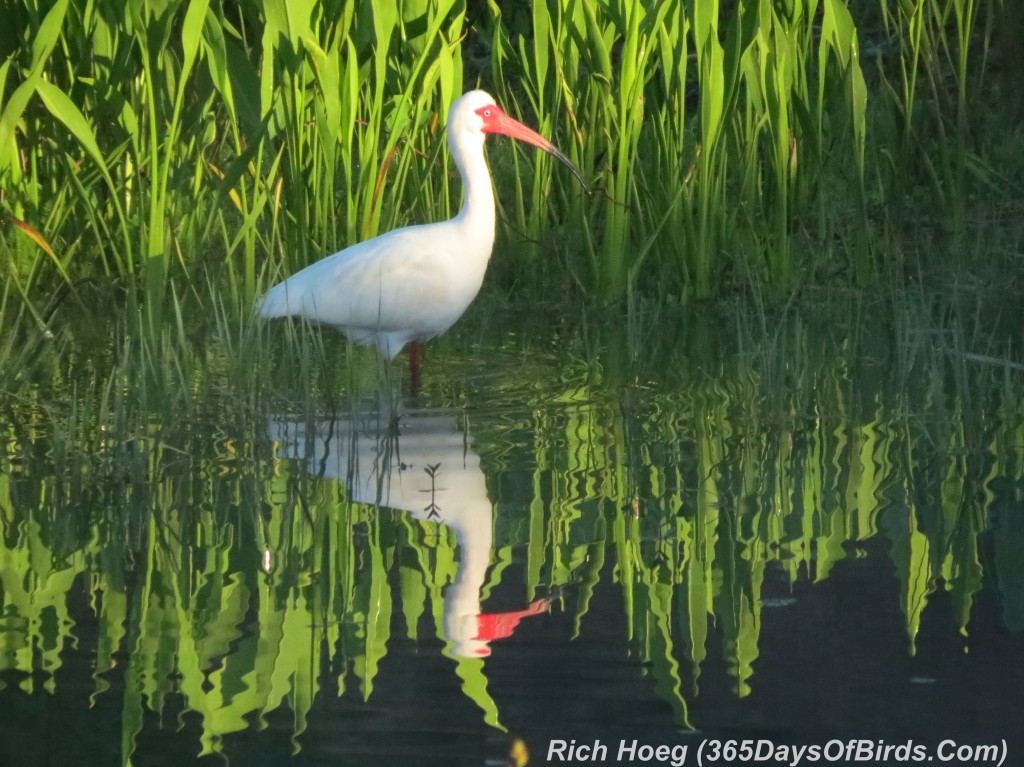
<point>412,283</point>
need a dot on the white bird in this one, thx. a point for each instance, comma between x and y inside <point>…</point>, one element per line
<point>412,284</point>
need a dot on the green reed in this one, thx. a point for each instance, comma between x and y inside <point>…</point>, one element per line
<point>942,56</point>
<point>179,138</point>
<point>617,78</point>
<point>187,139</point>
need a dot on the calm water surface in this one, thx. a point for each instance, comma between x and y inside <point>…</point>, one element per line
<point>666,533</point>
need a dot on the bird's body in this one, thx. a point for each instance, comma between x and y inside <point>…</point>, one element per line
<point>411,284</point>
<point>406,285</point>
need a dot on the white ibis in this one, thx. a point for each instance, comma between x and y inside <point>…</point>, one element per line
<point>412,284</point>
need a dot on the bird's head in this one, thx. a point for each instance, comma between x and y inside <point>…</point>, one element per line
<point>476,114</point>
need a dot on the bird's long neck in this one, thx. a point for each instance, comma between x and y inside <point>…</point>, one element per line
<point>477,212</point>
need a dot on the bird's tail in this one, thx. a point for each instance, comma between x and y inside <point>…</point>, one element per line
<point>274,303</point>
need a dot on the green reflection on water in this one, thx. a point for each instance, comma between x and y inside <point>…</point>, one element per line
<point>232,557</point>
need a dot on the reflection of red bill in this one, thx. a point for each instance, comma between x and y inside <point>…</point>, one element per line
<point>491,626</point>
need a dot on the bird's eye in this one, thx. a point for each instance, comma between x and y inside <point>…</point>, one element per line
<point>487,113</point>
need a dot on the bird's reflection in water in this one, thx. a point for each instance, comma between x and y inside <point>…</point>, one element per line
<point>425,465</point>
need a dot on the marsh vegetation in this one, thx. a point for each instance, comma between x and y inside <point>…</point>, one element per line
<point>778,350</point>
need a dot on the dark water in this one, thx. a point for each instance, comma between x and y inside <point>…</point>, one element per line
<point>672,533</point>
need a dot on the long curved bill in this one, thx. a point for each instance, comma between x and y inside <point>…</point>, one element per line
<point>496,121</point>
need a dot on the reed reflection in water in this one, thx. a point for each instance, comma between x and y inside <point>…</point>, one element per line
<point>425,465</point>
<point>232,573</point>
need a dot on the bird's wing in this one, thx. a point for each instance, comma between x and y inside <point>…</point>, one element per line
<point>397,281</point>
